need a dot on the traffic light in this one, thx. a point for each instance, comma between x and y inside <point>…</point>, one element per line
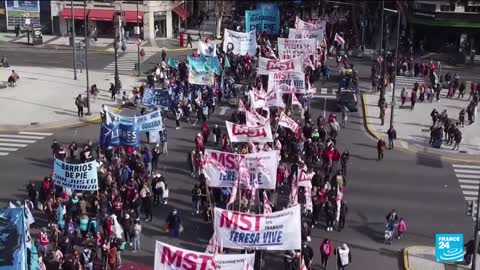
<point>469,208</point>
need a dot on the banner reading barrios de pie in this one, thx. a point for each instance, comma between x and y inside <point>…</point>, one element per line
<point>168,257</point>
<point>244,133</point>
<point>75,176</point>
<point>221,168</point>
<point>275,231</point>
<point>266,66</point>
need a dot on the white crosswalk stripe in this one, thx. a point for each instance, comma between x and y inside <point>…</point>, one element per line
<point>127,61</point>
<point>407,82</point>
<point>468,177</point>
<point>10,142</point>
<point>328,93</point>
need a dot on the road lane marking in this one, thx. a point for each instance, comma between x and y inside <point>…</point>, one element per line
<point>8,149</point>
<point>466,166</point>
<point>4,153</point>
<point>20,136</point>
<point>467,171</point>
<point>464,181</point>
<point>17,141</point>
<point>468,176</point>
<point>469,187</point>
<point>13,144</point>
<point>35,133</point>
<point>470,192</point>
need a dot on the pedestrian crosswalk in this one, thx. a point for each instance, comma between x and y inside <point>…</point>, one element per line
<point>127,61</point>
<point>10,142</point>
<point>407,82</point>
<point>328,93</point>
<point>468,177</point>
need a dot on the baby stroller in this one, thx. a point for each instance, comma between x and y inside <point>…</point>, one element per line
<point>389,231</point>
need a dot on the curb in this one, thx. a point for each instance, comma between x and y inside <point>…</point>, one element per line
<point>406,265</point>
<point>83,122</point>
<point>403,146</point>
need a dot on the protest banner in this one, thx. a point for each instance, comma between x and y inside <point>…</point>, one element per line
<point>76,176</point>
<point>207,49</point>
<point>267,6</point>
<point>128,134</point>
<point>200,78</point>
<point>274,99</point>
<point>204,64</point>
<point>275,231</point>
<point>109,134</point>
<point>283,80</point>
<point>14,239</point>
<point>303,25</point>
<point>256,100</point>
<point>240,43</point>
<point>316,34</point>
<point>156,98</point>
<point>254,119</point>
<point>305,178</point>
<point>168,257</point>
<point>243,133</point>
<point>146,122</point>
<point>266,66</point>
<point>292,48</point>
<point>288,122</point>
<point>221,168</point>
<point>261,20</point>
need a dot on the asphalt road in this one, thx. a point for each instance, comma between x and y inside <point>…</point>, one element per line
<point>422,189</point>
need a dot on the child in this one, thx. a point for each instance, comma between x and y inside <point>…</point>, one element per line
<point>401,227</point>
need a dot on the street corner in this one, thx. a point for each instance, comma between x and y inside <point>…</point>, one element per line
<point>366,116</point>
<point>420,258</point>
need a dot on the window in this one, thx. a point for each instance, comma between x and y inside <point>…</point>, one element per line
<point>472,9</point>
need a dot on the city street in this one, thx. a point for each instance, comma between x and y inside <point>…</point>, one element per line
<point>422,189</point>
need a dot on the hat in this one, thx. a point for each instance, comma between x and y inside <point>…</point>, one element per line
<point>344,246</point>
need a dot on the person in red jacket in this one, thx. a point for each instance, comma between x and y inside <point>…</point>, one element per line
<point>325,252</point>
<point>43,240</point>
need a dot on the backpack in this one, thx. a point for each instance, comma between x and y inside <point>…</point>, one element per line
<point>326,248</point>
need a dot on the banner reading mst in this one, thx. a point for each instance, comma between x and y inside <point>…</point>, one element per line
<point>173,258</point>
<point>276,231</point>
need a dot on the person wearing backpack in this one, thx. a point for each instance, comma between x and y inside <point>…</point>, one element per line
<point>344,257</point>
<point>87,259</point>
<point>325,252</point>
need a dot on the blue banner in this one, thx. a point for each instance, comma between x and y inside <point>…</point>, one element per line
<point>109,134</point>
<point>262,20</point>
<point>156,98</point>
<point>204,64</point>
<point>271,6</point>
<point>129,135</point>
<point>13,251</point>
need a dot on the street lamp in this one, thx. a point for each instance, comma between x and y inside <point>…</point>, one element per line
<point>117,20</point>
<point>86,54</point>
<point>73,38</point>
<point>396,63</point>
<point>138,42</point>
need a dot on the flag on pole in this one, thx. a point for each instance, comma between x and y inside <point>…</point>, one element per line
<point>267,205</point>
<point>339,39</point>
<point>292,89</point>
<point>226,62</point>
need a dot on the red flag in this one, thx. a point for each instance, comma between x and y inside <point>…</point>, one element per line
<point>339,39</point>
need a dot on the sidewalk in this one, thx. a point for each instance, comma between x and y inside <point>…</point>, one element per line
<point>413,126</point>
<point>45,97</point>
<point>423,258</point>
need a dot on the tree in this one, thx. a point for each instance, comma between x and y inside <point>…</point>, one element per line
<point>221,8</point>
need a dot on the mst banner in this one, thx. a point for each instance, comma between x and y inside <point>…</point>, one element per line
<point>240,43</point>
<point>168,257</point>
<point>266,66</point>
<point>243,133</point>
<point>76,176</point>
<point>292,48</point>
<point>275,231</point>
<point>262,20</point>
<point>222,168</point>
<point>283,80</point>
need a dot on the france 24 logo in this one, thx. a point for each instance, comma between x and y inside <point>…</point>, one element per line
<point>448,247</point>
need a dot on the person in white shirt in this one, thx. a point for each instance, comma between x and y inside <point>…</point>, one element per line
<point>344,257</point>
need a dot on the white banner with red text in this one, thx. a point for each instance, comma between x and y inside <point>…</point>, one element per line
<point>244,133</point>
<point>316,34</point>
<point>288,122</point>
<point>312,25</point>
<point>283,80</point>
<point>275,231</point>
<point>292,48</point>
<point>222,168</point>
<point>257,100</point>
<point>274,99</point>
<point>168,257</point>
<point>266,66</point>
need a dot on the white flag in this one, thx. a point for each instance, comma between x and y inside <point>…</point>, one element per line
<point>339,39</point>
<point>207,49</point>
<point>288,122</point>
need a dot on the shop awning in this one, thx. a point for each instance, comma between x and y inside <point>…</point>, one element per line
<point>101,15</point>
<point>131,16</point>
<point>181,12</point>
<point>445,23</point>
<point>78,13</point>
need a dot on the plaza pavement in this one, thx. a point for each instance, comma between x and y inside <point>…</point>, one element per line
<point>45,97</point>
<point>412,126</point>
<point>423,258</point>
